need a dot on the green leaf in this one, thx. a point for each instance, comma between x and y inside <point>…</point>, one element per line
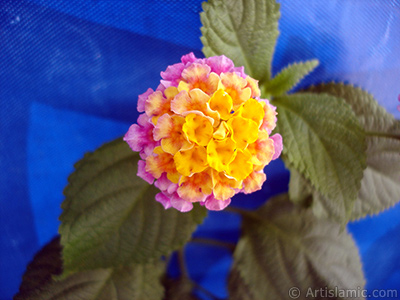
<point>137,282</point>
<point>178,289</point>
<point>289,77</point>
<point>324,141</point>
<point>283,247</point>
<point>244,31</point>
<point>372,116</point>
<point>237,287</point>
<point>395,128</point>
<point>110,217</point>
<point>380,186</point>
<point>123,283</point>
<point>46,263</point>
<point>300,190</point>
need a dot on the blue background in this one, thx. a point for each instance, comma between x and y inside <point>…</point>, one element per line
<point>70,74</point>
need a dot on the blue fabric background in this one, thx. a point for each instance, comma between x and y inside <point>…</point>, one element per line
<point>70,74</point>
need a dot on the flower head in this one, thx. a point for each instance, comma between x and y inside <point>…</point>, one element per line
<point>398,106</point>
<point>204,134</point>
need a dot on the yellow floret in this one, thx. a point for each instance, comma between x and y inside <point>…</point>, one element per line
<point>191,161</point>
<point>252,109</point>
<point>241,166</point>
<point>244,131</point>
<point>222,103</point>
<point>198,129</point>
<point>220,153</point>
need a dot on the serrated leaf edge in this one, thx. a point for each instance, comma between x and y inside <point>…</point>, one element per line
<point>310,66</point>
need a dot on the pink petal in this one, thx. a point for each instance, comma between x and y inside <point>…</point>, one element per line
<point>277,138</point>
<point>154,103</point>
<point>161,87</point>
<point>143,120</point>
<point>269,121</point>
<point>142,99</point>
<point>214,204</point>
<point>164,200</point>
<point>188,58</point>
<point>172,75</point>
<point>165,185</point>
<point>163,128</point>
<point>220,64</point>
<point>254,182</point>
<point>182,103</point>
<point>398,106</point>
<point>189,193</point>
<point>134,138</point>
<point>180,204</point>
<point>240,71</point>
<point>148,149</point>
<point>146,176</point>
<point>140,137</point>
<point>196,72</point>
<point>166,84</point>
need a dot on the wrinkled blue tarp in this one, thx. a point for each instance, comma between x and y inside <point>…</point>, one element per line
<point>70,74</point>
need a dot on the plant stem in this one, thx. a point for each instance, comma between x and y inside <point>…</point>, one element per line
<point>216,243</point>
<point>383,134</point>
<point>242,212</point>
<point>185,275</point>
<point>236,210</point>
<point>205,291</point>
<point>182,263</point>
<point>251,214</point>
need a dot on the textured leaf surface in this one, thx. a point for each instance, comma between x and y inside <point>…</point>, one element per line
<point>110,217</point>
<point>324,142</point>
<point>300,189</point>
<point>372,116</point>
<point>125,283</point>
<point>243,30</point>
<point>178,289</point>
<point>284,247</point>
<point>380,186</point>
<point>301,192</point>
<point>46,263</point>
<point>138,282</point>
<point>289,77</point>
<point>237,287</point>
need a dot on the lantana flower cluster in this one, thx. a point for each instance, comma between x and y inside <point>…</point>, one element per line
<point>204,134</point>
